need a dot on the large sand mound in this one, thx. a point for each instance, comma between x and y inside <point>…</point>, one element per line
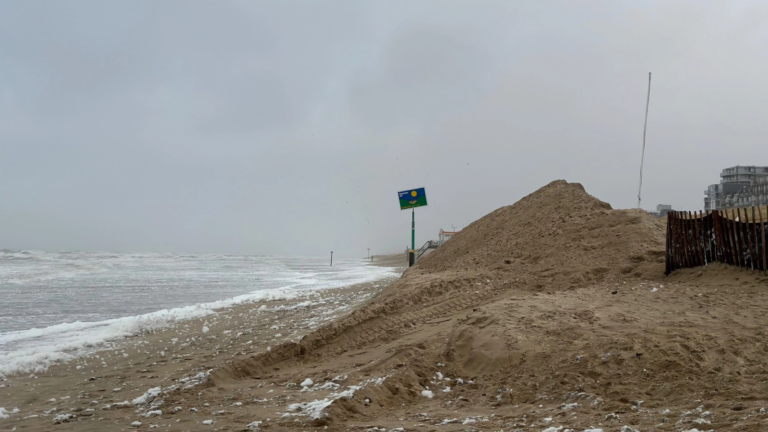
<point>556,238</point>
<point>555,303</point>
<point>559,236</point>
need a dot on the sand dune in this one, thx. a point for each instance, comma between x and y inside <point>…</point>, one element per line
<point>547,315</point>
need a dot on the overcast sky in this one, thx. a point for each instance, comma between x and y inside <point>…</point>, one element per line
<point>288,127</point>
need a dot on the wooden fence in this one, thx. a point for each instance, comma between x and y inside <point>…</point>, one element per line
<point>734,236</point>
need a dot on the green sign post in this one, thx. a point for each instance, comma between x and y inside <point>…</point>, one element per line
<point>410,199</point>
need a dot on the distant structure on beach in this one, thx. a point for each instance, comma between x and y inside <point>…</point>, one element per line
<point>443,236</point>
<point>740,186</point>
<point>661,210</point>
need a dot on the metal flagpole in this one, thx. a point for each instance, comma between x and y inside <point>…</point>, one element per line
<point>645,126</point>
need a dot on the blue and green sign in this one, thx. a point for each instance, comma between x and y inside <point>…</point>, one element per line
<point>412,198</point>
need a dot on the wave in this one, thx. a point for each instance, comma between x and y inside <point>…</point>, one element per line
<point>34,350</point>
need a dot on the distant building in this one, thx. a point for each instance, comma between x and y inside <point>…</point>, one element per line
<point>443,236</point>
<point>740,186</point>
<point>661,210</point>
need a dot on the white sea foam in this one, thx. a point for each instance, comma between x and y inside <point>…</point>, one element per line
<point>34,350</point>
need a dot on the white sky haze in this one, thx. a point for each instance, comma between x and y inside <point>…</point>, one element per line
<point>288,127</point>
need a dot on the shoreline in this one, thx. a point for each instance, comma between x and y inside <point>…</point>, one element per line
<point>29,354</point>
<point>92,389</point>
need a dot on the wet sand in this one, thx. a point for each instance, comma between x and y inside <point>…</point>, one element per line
<point>97,392</point>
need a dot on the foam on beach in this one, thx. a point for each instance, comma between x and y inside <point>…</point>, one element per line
<point>34,350</point>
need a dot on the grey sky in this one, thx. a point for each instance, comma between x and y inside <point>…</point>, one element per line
<point>287,127</point>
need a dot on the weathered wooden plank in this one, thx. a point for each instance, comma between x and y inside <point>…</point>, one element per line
<point>727,248</point>
<point>684,235</point>
<point>760,214</point>
<point>762,225</point>
<point>731,245</point>
<point>670,246</point>
<point>706,247</point>
<point>671,230</point>
<point>724,237</point>
<point>696,240</point>
<point>713,236</point>
<point>719,242</point>
<point>686,243</point>
<point>706,221</point>
<point>667,250</point>
<point>699,237</point>
<point>727,257</point>
<point>676,241</point>
<point>756,257</point>
<point>742,235</point>
<point>740,239</point>
<point>748,241</point>
<point>681,241</point>
<point>734,239</point>
<point>691,240</point>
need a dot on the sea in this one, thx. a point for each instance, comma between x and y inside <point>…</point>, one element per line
<point>54,306</point>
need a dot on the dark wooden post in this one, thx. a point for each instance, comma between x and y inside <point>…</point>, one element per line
<point>687,241</point>
<point>705,220</point>
<point>763,224</point>
<point>692,240</point>
<point>675,245</point>
<point>745,234</point>
<point>743,241</point>
<point>678,242</point>
<point>688,257</point>
<point>725,245</point>
<point>718,236</point>
<point>706,239</point>
<point>699,238</point>
<point>671,221</point>
<point>708,233</point>
<point>731,244</point>
<point>684,239</point>
<point>667,248</point>
<point>736,238</point>
<point>671,234</point>
<point>690,237</point>
<point>756,255</point>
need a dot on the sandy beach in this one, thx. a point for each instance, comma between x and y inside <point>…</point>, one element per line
<point>97,392</point>
<point>566,203</point>
<point>550,315</point>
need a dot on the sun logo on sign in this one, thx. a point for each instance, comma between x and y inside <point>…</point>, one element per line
<point>413,194</point>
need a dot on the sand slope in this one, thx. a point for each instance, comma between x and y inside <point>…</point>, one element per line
<point>560,237</point>
<point>556,238</point>
<point>553,308</point>
<point>550,313</point>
